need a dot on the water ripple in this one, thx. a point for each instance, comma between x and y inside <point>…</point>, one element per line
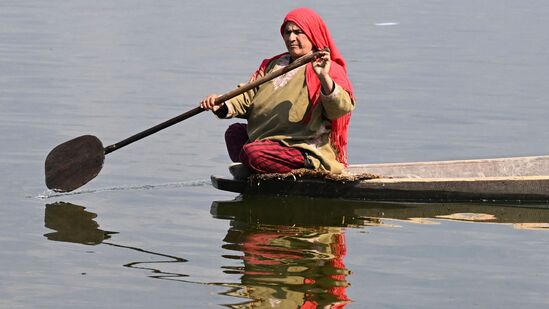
<point>189,183</point>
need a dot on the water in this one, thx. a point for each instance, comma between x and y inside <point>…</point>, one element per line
<point>435,80</point>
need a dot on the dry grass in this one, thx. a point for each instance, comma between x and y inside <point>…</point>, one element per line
<point>304,173</point>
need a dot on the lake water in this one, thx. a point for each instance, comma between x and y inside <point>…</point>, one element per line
<point>435,80</point>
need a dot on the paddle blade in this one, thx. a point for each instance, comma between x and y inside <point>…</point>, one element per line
<point>72,164</point>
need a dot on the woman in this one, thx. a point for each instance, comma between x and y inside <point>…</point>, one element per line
<point>299,119</point>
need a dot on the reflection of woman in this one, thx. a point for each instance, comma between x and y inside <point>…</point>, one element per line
<point>299,119</point>
<point>290,267</point>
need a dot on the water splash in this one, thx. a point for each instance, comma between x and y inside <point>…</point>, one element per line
<point>190,183</point>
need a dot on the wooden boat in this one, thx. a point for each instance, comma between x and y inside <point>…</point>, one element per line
<point>516,179</point>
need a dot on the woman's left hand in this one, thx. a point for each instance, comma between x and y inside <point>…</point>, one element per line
<point>321,66</point>
<point>322,63</point>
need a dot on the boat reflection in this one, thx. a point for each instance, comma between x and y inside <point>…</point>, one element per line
<point>347,213</point>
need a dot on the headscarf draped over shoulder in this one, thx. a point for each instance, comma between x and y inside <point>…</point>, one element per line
<point>314,27</point>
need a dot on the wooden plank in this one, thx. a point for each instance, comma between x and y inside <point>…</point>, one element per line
<point>499,167</point>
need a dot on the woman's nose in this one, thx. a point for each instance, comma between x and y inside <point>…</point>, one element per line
<point>292,36</point>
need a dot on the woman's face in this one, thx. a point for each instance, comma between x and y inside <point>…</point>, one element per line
<point>297,42</point>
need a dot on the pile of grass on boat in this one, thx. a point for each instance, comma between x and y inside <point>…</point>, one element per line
<point>307,174</point>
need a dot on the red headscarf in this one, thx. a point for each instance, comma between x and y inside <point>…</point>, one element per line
<point>314,27</point>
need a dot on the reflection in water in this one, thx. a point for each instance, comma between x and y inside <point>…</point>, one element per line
<point>288,266</point>
<point>289,252</point>
<point>292,249</point>
<point>476,217</point>
<point>290,257</point>
<point>72,223</point>
<point>329,212</point>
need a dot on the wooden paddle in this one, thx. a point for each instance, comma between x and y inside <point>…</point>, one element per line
<point>73,163</point>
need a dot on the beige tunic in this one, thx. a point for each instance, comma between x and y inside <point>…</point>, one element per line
<point>275,111</point>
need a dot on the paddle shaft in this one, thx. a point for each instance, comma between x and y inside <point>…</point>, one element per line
<point>227,96</point>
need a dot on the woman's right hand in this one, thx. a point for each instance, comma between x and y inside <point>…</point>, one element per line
<point>208,103</point>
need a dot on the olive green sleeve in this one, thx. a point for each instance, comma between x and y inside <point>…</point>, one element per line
<point>337,103</point>
<point>239,105</point>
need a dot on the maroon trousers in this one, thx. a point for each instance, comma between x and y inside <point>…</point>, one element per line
<point>263,156</point>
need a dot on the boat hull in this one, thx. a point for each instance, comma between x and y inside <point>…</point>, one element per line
<point>524,179</point>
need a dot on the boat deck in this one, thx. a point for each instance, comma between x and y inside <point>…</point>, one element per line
<point>482,168</point>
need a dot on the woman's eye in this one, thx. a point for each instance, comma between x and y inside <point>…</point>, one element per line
<point>296,32</point>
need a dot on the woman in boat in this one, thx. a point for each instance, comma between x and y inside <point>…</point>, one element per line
<point>299,119</point>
